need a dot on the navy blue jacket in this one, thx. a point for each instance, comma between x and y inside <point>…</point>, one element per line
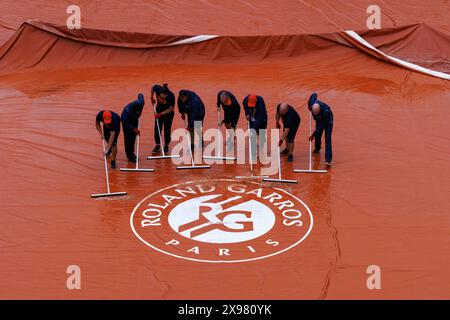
<point>325,117</point>
<point>258,113</point>
<point>115,123</point>
<point>193,107</point>
<point>132,112</point>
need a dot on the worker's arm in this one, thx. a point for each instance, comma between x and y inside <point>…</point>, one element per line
<point>318,127</point>
<point>110,142</point>
<point>152,93</point>
<point>171,103</point>
<point>285,134</point>
<point>99,129</point>
<point>259,115</point>
<point>277,120</point>
<point>195,113</point>
<point>219,103</point>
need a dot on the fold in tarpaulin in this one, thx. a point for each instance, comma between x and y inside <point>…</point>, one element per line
<point>365,46</point>
<point>38,45</point>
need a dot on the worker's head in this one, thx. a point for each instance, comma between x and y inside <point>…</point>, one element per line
<point>183,96</point>
<point>312,100</point>
<point>315,109</point>
<point>283,108</point>
<point>107,117</point>
<point>252,100</point>
<point>225,98</point>
<point>164,91</point>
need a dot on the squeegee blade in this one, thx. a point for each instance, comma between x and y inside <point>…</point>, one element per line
<point>136,170</point>
<point>310,171</point>
<point>219,158</point>
<point>280,180</point>
<point>112,194</point>
<point>192,167</point>
<point>162,157</point>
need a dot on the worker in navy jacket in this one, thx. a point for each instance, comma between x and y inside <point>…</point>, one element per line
<point>323,116</point>
<point>190,104</point>
<point>231,113</point>
<point>130,123</point>
<point>256,113</point>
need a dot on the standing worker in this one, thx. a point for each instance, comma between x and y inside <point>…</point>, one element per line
<point>165,100</point>
<point>231,110</point>
<point>291,122</point>
<point>256,113</point>
<point>109,133</point>
<point>130,123</point>
<point>321,112</point>
<point>190,104</point>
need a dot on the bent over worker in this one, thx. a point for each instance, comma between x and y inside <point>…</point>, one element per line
<point>109,133</point>
<point>324,122</point>
<point>165,100</point>
<point>130,123</point>
<point>231,112</point>
<point>291,122</point>
<point>256,113</point>
<point>190,104</point>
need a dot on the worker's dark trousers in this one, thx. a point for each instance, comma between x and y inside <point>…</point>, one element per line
<point>258,135</point>
<point>165,122</point>
<point>328,149</point>
<point>130,139</point>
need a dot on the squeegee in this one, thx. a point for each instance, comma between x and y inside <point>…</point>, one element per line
<point>218,156</point>
<point>137,169</point>
<point>279,170</point>
<point>109,193</point>
<point>193,166</point>
<point>310,170</point>
<point>250,157</point>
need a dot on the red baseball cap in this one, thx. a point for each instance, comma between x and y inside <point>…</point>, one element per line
<point>252,99</point>
<point>107,117</point>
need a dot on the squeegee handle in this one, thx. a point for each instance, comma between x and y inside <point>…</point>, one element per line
<point>106,166</point>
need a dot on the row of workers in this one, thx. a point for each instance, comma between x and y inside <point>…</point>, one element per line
<point>192,109</point>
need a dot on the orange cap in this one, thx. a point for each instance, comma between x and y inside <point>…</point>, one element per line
<point>252,99</point>
<point>107,117</point>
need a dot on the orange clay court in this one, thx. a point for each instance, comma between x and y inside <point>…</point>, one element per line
<point>384,202</point>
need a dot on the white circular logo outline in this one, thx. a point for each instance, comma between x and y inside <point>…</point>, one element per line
<point>220,261</point>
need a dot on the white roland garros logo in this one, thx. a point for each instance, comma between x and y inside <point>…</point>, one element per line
<point>221,221</point>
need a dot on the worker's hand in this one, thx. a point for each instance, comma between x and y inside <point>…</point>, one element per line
<point>106,152</point>
<point>158,115</point>
<point>278,125</point>
<point>280,142</point>
<point>153,100</point>
<point>311,138</point>
<point>137,131</point>
<point>183,116</point>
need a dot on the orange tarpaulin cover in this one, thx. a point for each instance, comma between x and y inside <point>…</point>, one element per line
<point>384,202</point>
